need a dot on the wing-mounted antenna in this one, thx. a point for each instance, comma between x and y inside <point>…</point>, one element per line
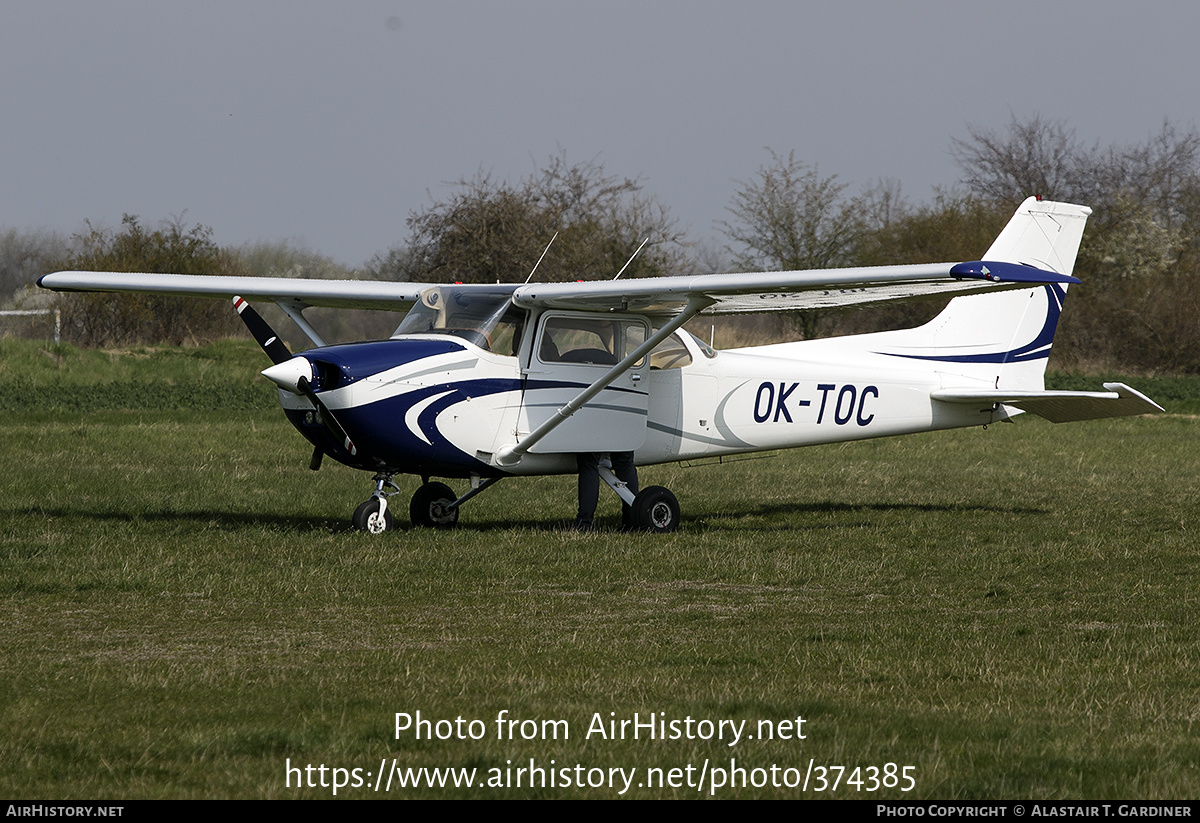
<point>539,262</point>
<point>630,260</point>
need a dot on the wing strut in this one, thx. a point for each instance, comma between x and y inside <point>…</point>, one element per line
<point>511,455</point>
<point>295,310</point>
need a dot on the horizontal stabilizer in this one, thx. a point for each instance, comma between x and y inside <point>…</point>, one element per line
<point>1061,406</point>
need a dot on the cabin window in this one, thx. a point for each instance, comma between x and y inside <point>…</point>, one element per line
<point>670,354</point>
<point>589,340</point>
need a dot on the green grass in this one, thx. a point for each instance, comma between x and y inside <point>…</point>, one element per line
<point>1180,393</point>
<point>1011,611</point>
<point>65,378</point>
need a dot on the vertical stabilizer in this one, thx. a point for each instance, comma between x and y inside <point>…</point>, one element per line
<point>1003,338</point>
<point>1042,234</point>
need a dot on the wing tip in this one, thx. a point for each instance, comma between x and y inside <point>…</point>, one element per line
<point>1002,272</point>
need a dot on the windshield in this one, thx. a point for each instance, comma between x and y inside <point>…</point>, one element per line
<point>483,315</point>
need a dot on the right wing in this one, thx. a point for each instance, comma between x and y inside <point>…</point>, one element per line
<point>784,290</point>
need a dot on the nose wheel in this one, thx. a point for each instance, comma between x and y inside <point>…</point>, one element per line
<point>374,516</point>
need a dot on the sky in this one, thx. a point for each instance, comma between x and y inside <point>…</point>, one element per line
<point>328,124</point>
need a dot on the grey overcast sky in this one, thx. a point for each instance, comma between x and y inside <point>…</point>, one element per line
<point>329,123</point>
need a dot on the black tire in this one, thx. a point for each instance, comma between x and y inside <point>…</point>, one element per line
<point>427,507</point>
<point>366,518</point>
<point>656,510</point>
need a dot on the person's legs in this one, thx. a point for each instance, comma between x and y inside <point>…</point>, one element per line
<point>626,471</point>
<point>588,465</point>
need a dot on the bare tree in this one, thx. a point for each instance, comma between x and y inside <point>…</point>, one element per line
<point>1037,156</point>
<point>489,231</point>
<point>1158,176</point>
<point>883,204</point>
<point>789,217</point>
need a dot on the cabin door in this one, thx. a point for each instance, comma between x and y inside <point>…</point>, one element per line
<point>570,352</point>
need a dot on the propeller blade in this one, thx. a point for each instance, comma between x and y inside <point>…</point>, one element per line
<point>275,348</point>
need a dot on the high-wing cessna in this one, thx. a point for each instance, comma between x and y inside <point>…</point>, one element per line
<point>480,383</point>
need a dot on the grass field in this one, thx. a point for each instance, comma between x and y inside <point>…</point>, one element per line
<point>1012,612</point>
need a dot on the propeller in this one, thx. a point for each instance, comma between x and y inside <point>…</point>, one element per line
<point>292,375</point>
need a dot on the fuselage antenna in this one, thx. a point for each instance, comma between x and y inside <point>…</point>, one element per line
<point>539,262</point>
<point>630,260</point>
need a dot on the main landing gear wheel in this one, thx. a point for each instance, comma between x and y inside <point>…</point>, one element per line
<point>368,519</point>
<point>655,509</point>
<point>430,506</point>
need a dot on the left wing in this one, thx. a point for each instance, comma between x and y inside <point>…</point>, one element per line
<point>298,293</point>
<point>1038,245</point>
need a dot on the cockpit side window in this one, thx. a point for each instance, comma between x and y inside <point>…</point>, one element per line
<point>705,349</point>
<point>506,334</point>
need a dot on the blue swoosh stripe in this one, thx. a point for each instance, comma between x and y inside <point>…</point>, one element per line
<point>1037,349</point>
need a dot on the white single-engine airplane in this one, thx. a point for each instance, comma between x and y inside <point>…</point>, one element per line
<point>488,382</point>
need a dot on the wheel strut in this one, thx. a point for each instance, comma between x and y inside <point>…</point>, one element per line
<point>614,483</point>
<point>483,484</point>
<point>373,515</point>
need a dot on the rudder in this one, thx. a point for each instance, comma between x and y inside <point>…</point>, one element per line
<point>1042,233</point>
